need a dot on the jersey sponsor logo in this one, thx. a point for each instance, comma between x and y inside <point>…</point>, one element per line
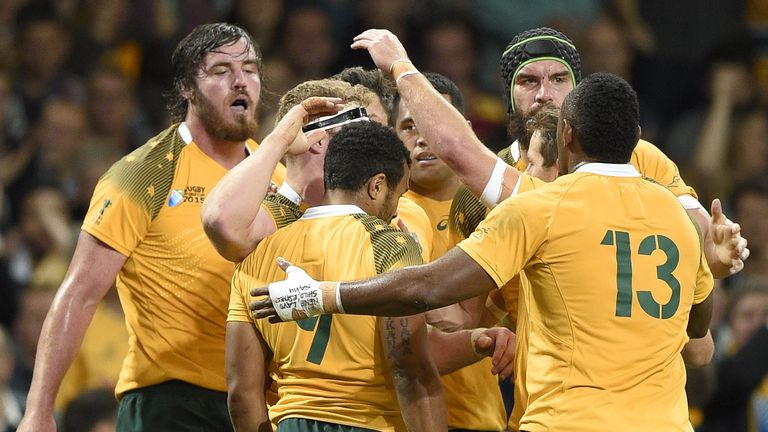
<point>443,224</point>
<point>176,198</point>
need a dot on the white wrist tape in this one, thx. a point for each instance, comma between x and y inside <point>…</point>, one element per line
<point>300,296</point>
<point>689,202</point>
<point>492,190</point>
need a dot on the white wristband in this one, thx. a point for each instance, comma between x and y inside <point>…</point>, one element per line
<point>300,296</point>
<point>689,202</point>
<point>492,190</point>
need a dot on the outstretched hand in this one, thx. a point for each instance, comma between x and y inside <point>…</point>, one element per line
<point>730,247</point>
<point>294,307</point>
<point>383,46</point>
<point>499,344</point>
<point>289,127</point>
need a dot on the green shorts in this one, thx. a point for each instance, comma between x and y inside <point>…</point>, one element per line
<point>173,406</point>
<point>306,425</point>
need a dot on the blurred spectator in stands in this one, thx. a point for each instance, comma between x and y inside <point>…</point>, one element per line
<point>709,141</point>
<point>8,10</point>
<point>92,411</point>
<point>97,364</point>
<point>740,398</point>
<point>750,207</point>
<point>42,50</point>
<point>33,307</point>
<point>756,18</point>
<point>58,139</point>
<point>261,19</point>
<point>44,235</point>
<point>606,47</point>
<point>350,18</point>
<point>449,47</point>
<point>104,34</point>
<point>277,78</point>
<point>14,157</point>
<point>117,125</point>
<point>307,43</point>
<point>668,78</point>
<point>11,402</point>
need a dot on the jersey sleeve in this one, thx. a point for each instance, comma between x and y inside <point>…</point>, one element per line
<point>465,215</point>
<point>392,248</point>
<point>282,210</point>
<point>506,233</point>
<point>655,165</point>
<point>704,281</point>
<point>117,217</point>
<point>238,307</point>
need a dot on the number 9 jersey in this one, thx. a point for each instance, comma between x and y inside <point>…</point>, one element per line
<point>614,265</point>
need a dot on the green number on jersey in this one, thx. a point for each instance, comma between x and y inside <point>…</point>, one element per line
<point>663,272</point>
<point>322,333</point>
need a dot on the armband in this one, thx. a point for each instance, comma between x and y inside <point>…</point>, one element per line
<point>689,202</point>
<point>492,191</point>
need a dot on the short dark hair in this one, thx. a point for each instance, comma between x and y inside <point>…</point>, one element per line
<point>374,80</point>
<point>443,85</point>
<point>604,113</point>
<point>544,121</point>
<point>190,53</point>
<point>361,150</point>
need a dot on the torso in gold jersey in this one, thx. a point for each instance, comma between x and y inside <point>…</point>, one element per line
<point>174,285</point>
<point>614,265</point>
<point>329,368</point>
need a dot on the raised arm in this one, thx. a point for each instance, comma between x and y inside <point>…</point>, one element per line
<point>91,274</point>
<point>417,382</point>
<point>234,221</point>
<point>246,359</point>
<point>446,130</point>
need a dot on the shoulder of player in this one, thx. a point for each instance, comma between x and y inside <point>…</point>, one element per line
<point>158,155</point>
<point>146,174</point>
<point>283,211</point>
<point>390,245</point>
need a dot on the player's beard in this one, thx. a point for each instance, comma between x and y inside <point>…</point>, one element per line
<point>517,120</point>
<point>516,126</point>
<point>243,127</point>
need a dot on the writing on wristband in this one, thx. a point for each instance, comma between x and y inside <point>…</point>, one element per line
<point>303,299</point>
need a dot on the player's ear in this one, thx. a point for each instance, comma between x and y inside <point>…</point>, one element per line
<point>376,187</point>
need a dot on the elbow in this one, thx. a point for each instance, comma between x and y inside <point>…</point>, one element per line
<point>226,242</point>
<point>453,152</point>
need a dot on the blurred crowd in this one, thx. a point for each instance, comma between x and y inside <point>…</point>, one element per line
<point>82,83</point>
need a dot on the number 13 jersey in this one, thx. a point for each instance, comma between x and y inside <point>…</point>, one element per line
<point>614,265</point>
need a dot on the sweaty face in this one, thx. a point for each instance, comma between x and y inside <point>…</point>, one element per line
<point>226,96</point>
<point>536,166</point>
<point>539,83</point>
<point>427,170</point>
